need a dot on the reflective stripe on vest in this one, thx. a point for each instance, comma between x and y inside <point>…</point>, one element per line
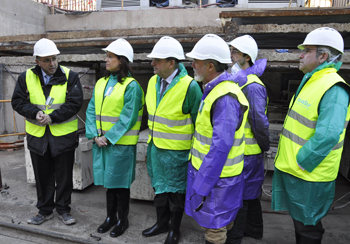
<point>300,126</point>
<point>37,98</point>
<point>108,109</point>
<point>169,128</point>
<point>202,138</point>
<point>251,145</point>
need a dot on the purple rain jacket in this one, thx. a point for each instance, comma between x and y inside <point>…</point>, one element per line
<point>256,95</point>
<point>224,195</point>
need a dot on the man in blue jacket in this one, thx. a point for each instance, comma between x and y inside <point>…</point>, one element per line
<point>214,180</point>
<point>249,221</point>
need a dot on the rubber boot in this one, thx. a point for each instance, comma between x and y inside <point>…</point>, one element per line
<point>123,212</point>
<point>208,242</point>
<point>162,224</point>
<point>306,240</point>
<point>111,198</point>
<point>174,233</point>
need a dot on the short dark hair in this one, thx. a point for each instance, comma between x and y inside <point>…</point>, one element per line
<point>176,65</point>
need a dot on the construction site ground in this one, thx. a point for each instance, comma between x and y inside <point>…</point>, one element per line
<point>18,199</point>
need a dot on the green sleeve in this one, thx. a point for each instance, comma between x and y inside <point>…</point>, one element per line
<point>192,100</point>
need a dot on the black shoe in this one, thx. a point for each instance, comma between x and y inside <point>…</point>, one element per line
<point>120,228</point>
<point>109,223</point>
<point>67,218</point>
<point>39,219</point>
<point>111,219</point>
<point>173,237</point>
<point>155,230</point>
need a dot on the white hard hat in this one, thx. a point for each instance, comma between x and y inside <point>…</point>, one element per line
<point>246,44</point>
<point>45,47</point>
<point>211,46</point>
<point>121,47</point>
<point>324,36</point>
<point>167,47</point>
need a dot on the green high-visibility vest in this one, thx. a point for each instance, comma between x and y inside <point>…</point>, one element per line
<point>108,109</point>
<point>202,138</point>
<point>37,98</point>
<point>168,126</point>
<point>251,145</point>
<point>300,125</point>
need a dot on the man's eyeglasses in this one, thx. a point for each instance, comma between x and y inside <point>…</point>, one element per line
<point>200,206</point>
<point>48,60</point>
<point>233,51</point>
<point>306,50</point>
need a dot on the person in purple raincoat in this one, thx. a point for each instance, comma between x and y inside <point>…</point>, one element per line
<point>214,180</point>
<point>249,221</point>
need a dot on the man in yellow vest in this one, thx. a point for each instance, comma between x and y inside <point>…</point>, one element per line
<point>214,182</point>
<point>49,96</point>
<point>311,142</point>
<point>249,221</point>
<point>172,101</point>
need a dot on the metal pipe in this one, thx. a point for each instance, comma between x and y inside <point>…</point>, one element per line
<point>13,134</point>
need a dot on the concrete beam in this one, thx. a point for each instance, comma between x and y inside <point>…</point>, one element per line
<point>270,55</point>
<point>284,12</point>
<point>291,28</point>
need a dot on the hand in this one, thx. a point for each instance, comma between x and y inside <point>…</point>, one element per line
<point>46,119</point>
<point>39,116</point>
<point>100,141</point>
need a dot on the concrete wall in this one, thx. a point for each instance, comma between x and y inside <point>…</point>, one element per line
<point>135,19</point>
<point>19,17</point>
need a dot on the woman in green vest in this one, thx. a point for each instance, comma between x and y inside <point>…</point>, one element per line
<point>113,121</point>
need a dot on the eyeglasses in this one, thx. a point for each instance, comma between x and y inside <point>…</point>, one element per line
<point>306,50</point>
<point>200,206</point>
<point>48,60</point>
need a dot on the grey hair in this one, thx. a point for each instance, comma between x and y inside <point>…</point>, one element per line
<point>219,67</point>
<point>333,54</point>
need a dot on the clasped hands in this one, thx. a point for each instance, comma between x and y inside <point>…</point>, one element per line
<point>101,141</point>
<point>43,119</point>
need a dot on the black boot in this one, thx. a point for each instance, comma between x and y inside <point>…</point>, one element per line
<point>208,242</point>
<point>162,224</point>
<point>307,240</point>
<point>111,198</point>
<point>174,233</point>
<point>123,212</point>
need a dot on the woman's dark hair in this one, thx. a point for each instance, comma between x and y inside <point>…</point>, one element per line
<point>124,71</point>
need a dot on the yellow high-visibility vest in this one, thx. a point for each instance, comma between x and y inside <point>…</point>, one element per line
<point>300,125</point>
<point>251,145</point>
<point>168,126</point>
<point>37,97</point>
<point>108,109</point>
<point>202,138</point>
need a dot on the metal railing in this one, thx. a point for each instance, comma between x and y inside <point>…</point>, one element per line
<point>71,5</point>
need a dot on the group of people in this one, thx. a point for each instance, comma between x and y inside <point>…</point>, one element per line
<point>205,146</point>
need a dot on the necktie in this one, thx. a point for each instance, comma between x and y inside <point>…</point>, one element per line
<point>47,79</point>
<point>164,87</point>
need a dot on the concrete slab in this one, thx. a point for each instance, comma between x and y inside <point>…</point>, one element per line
<point>17,204</point>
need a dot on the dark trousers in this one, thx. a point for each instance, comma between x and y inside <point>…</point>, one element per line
<point>248,222</point>
<point>173,201</point>
<point>308,234</point>
<point>53,175</point>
